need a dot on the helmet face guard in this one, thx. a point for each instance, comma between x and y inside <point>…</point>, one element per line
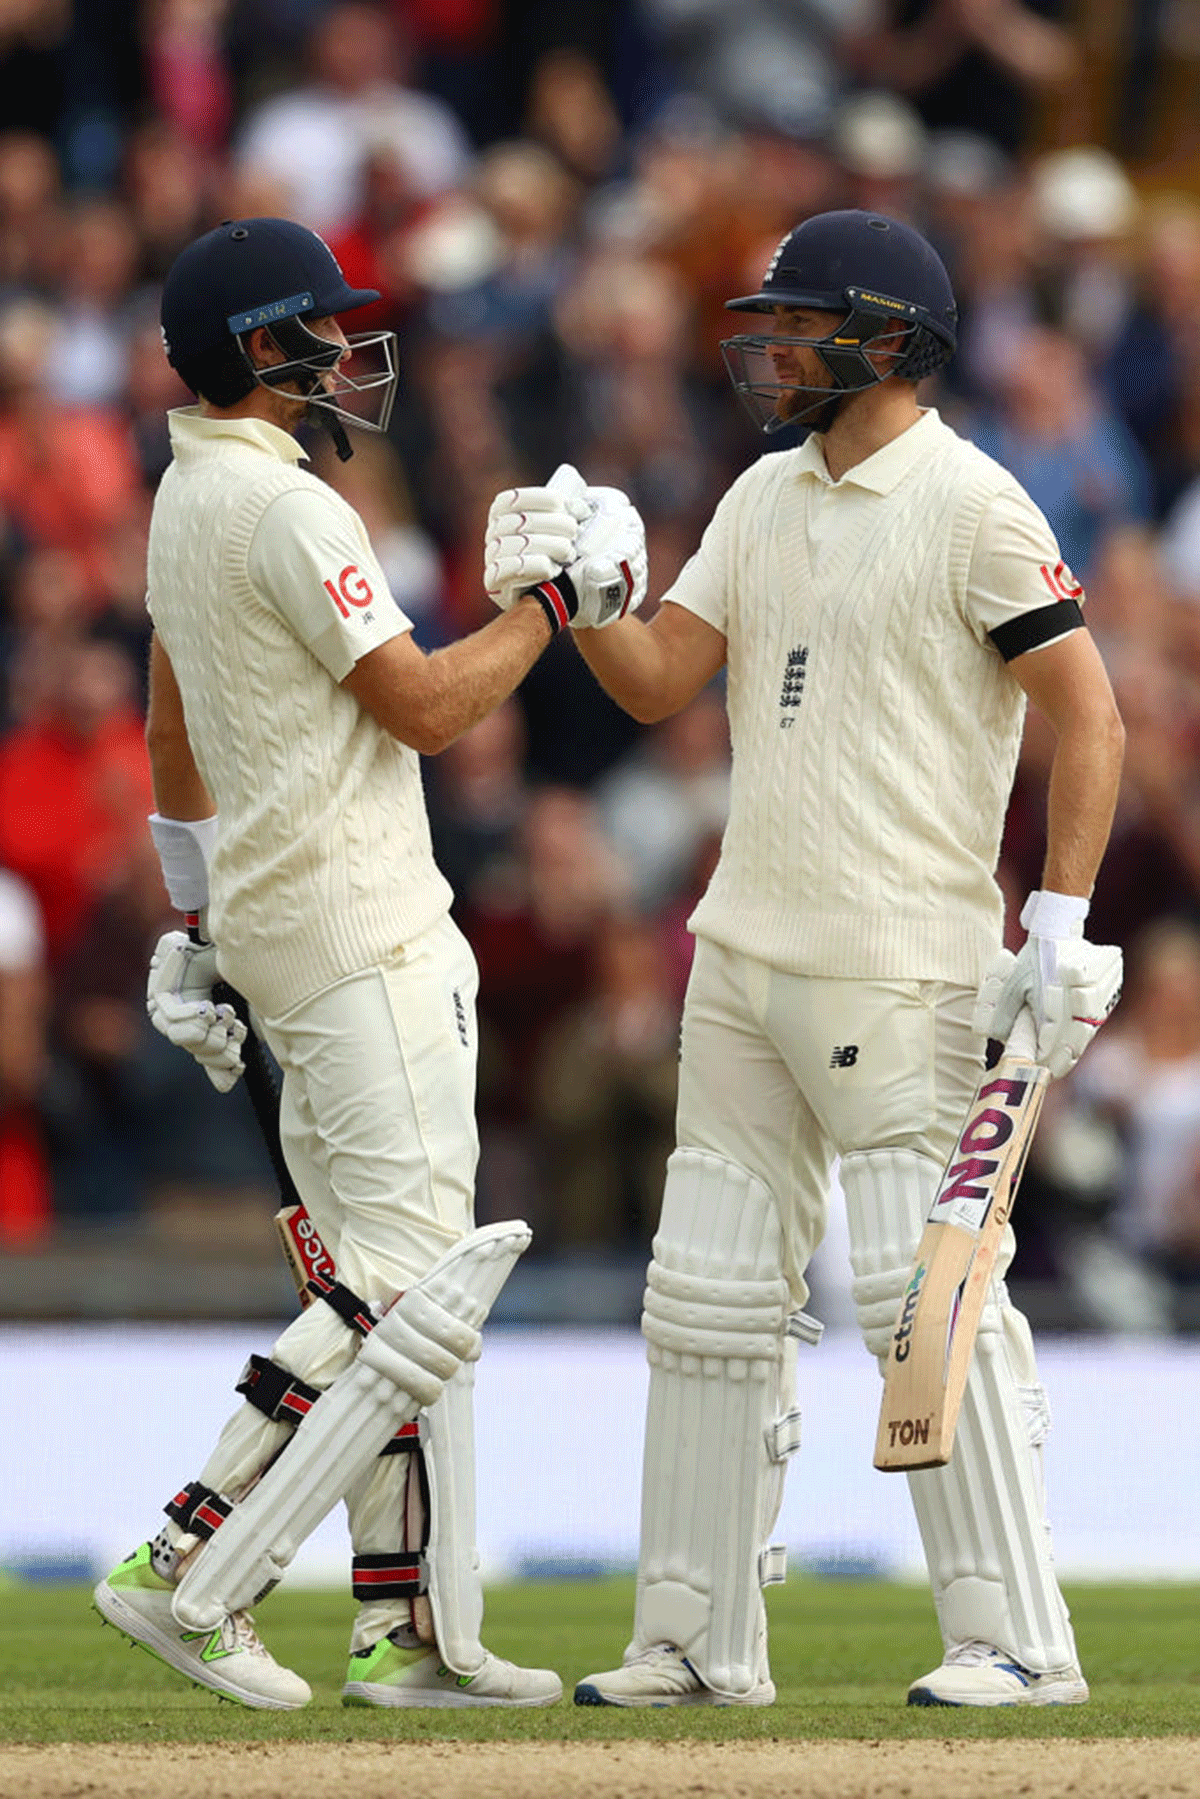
<point>775,402</point>
<point>355,383</point>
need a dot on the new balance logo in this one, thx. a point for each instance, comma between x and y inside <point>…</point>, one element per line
<point>460,1019</point>
<point>845,1055</point>
<point>794,674</point>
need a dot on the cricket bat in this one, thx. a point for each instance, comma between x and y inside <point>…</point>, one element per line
<point>934,1338</point>
<point>303,1250</point>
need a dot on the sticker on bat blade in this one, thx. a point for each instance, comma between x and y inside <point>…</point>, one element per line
<point>904,1328</point>
<point>968,1186</point>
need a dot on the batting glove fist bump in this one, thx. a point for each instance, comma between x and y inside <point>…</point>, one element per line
<point>180,1003</point>
<point>1069,985</point>
<point>530,538</point>
<point>610,570</point>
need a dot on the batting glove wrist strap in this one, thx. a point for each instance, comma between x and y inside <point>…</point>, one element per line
<point>1048,914</point>
<point>558,600</point>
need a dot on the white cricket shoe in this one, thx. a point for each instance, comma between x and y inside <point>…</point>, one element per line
<point>391,1674</point>
<point>230,1661</point>
<point>662,1675</point>
<point>979,1674</point>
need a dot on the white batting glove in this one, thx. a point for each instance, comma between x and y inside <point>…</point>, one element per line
<point>610,571</point>
<point>180,1003</point>
<point>531,536</point>
<point>1069,985</point>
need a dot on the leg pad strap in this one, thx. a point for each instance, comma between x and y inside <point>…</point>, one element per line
<point>198,1509</point>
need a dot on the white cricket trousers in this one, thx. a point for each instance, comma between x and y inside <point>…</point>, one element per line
<point>780,1073</point>
<point>377,1118</point>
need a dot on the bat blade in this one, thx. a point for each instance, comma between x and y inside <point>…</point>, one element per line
<point>934,1339</point>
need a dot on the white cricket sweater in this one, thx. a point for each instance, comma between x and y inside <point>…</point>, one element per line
<point>265,592</point>
<point>875,727</point>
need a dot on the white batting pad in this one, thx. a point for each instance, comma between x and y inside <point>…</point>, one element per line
<point>720,1419</point>
<point>403,1364</point>
<point>455,1592</point>
<point>888,1195</point>
<point>983,1521</point>
<point>982,1517</point>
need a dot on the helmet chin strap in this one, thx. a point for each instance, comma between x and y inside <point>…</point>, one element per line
<point>317,414</point>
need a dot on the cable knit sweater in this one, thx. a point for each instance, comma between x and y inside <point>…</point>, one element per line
<point>875,725</point>
<point>264,591</point>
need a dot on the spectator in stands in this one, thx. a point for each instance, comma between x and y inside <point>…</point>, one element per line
<point>603,1095</point>
<point>315,138</point>
<point>30,219</point>
<point>1151,367</point>
<point>1055,432</point>
<point>477,796</point>
<point>978,64</point>
<point>75,788</point>
<point>532,935</point>
<point>87,362</point>
<point>66,473</point>
<point>667,797</point>
<point>1145,1077</point>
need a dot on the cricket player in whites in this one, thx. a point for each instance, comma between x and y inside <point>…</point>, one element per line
<point>288,705</point>
<point>883,598</point>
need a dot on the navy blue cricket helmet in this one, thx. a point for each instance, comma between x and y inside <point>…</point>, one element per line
<point>271,273</point>
<point>875,273</point>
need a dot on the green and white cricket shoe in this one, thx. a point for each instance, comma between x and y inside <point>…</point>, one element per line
<point>662,1675</point>
<point>231,1660</point>
<point>979,1674</point>
<point>390,1674</point>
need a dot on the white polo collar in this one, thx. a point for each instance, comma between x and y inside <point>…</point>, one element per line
<point>881,472</point>
<point>194,434</point>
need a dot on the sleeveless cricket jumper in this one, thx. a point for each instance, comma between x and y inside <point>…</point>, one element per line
<point>265,592</point>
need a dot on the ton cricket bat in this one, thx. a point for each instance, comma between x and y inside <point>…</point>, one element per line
<point>934,1339</point>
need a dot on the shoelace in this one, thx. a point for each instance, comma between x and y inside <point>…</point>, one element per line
<point>238,1632</point>
<point>973,1655</point>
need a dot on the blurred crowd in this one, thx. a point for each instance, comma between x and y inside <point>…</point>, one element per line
<point>554,203</point>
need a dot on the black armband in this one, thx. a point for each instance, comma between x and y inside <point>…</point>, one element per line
<point>557,599</point>
<point>1032,629</point>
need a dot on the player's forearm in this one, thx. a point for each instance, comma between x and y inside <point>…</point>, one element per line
<point>179,790</point>
<point>631,664</point>
<point>1084,780</point>
<point>470,678</point>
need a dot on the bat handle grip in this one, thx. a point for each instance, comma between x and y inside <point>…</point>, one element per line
<point>1022,1039</point>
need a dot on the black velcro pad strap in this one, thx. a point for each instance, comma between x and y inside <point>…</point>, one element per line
<point>198,1509</point>
<point>406,1439</point>
<point>398,1576</point>
<point>349,1307</point>
<point>278,1393</point>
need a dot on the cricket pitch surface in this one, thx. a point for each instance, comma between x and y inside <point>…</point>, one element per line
<point>1133,1768</point>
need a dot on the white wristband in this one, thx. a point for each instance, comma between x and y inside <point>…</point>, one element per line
<point>185,848</point>
<point>1047,914</point>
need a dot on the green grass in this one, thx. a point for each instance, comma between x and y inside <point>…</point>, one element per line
<point>842,1654</point>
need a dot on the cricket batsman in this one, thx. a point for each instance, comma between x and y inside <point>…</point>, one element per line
<point>883,600</point>
<point>288,709</point>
